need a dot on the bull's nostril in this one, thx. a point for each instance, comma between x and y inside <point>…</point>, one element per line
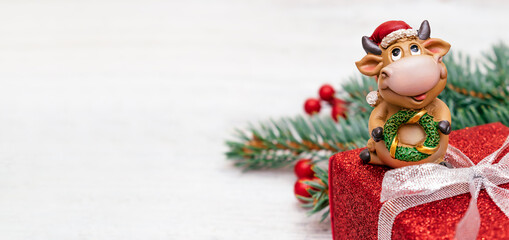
<point>385,74</point>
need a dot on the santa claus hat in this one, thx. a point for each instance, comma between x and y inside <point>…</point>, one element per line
<point>390,31</point>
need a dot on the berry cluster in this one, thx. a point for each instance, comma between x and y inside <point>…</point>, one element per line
<point>304,171</point>
<point>326,93</point>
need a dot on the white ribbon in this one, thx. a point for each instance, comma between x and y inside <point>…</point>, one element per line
<point>407,187</point>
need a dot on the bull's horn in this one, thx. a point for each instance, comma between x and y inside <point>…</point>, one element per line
<point>370,47</point>
<point>424,30</point>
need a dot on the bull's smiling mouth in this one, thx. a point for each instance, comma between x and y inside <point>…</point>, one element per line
<point>420,97</point>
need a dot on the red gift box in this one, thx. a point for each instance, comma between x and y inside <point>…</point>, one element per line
<point>355,195</point>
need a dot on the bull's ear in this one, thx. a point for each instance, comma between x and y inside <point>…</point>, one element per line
<point>370,65</point>
<point>437,46</point>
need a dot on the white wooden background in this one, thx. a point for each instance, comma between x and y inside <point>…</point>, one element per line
<point>113,114</point>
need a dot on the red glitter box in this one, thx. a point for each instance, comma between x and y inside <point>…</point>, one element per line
<point>355,195</point>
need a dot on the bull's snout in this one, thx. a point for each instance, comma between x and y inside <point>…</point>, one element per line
<point>411,76</point>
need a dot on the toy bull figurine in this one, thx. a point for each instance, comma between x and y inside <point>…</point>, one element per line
<point>409,124</point>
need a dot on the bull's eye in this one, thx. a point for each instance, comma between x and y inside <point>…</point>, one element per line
<point>396,54</point>
<point>414,50</point>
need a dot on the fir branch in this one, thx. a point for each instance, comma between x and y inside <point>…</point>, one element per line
<point>280,143</point>
<point>478,83</point>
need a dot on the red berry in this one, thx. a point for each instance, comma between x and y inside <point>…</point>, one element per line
<point>326,92</point>
<point>301,189</point>
<point>303,169</point>
<point>338,111</point>
<point>312,106</point>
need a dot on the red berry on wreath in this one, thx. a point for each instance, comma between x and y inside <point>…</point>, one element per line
<point>303,169</point>
<point>326,92</point>
<point>312,106</point>
<point>301,189</point>
<point>338,111</point>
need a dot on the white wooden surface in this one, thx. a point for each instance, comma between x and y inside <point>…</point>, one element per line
<point>113,114</point>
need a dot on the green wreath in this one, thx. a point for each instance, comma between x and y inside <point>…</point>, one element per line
<point>411,154</point>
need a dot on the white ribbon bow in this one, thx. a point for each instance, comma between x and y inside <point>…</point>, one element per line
<point>407,187</point>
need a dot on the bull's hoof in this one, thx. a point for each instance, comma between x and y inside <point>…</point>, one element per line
<point>444,127</point>
<point>377,134</point>
<point>365,156</point>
